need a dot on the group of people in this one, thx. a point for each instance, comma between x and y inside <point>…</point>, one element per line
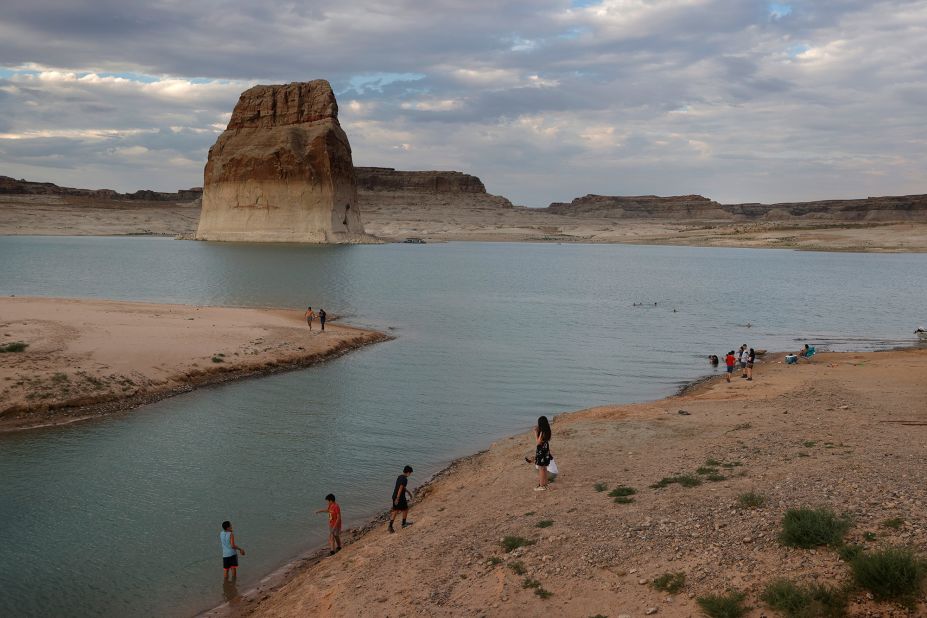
<point>399,506</point>
<point>745,357</point>
<point>311,315</point>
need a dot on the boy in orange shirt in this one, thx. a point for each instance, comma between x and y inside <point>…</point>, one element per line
<point>334,524</point>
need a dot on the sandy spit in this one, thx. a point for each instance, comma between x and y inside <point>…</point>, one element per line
<point>88,358</point>
<point>845,431</point>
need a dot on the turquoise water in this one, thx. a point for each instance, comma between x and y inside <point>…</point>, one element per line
<point>121,516</point>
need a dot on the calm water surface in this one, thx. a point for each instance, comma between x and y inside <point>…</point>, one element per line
<point>121,516</point>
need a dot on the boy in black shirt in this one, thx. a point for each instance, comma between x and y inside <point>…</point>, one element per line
<point>400,503</point>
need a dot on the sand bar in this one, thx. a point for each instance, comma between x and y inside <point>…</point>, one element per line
<point>86,358</point>
<point>845,431</point>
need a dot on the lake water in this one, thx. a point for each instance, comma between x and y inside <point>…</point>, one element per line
<point>121,516</point>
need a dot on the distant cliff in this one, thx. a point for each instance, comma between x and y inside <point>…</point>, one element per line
<point>389,179</point>
<point>11,186</point>
<point>699,208</point>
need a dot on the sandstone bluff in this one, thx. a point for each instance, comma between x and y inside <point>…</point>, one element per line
<point>282,171</point>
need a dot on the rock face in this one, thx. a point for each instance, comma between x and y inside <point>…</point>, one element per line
<point>698,208</point>
<point>11,186</point>
<point>389,179</point>
<point>282,171</point>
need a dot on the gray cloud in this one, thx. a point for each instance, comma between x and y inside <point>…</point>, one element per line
<point>543,100</point>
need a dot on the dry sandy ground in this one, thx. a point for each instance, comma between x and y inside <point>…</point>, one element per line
<point>399,215</point>
<point>88,357</point>
<point>831,433</point>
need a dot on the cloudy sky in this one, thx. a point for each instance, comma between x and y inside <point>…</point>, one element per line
<point>545,100</point>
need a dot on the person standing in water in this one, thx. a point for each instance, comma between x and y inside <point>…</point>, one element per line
<point>334,524</point>
<point>322,316</point>
<point>230,550</point>
<point>309,316</point>
<point>542,451</point>
<point>400,503</point>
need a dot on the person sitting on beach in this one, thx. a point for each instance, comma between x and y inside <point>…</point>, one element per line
<point>400,503</point>
<point>542,455</point>
<point>729,364</point>
<point>310,314</point>
<point>334,524</point>
<point>229,549</point>
<point>804,351</point>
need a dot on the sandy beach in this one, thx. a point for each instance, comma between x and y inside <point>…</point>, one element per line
<point>842,431</point>
<point>86,358</point>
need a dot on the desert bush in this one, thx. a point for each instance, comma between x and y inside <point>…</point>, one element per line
<point>807,528</point>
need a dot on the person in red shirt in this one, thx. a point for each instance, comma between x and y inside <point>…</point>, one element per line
<point>334,524</point>
<point>729,362</point>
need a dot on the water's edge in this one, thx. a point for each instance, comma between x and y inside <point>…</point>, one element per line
<point>66,415</point>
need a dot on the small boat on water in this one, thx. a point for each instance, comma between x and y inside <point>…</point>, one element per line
<point>414,241</point>
<point>921,333</point>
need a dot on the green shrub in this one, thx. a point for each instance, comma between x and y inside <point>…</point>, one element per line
<point>714,477</point>
<point>600,486</point>
<point>848,553</point>
<point>669,582</point>
<point>894,523</point>
<point>686,480</point>
<point>622,490</point>
<point>218,359</point>
<point>13,346</point>
<point>729,605</point>
<point>543,592</point>
<point>891,574</point>
<point>751,500</point>
<point>511,543</point>
<point>807,528</point>
<point>623,499</point>
<point>545,523</point>
<point>712,462</point>
<point>530,583</point>
<point>494,560</point>
<point>814,601</point>
<point>518,567</point>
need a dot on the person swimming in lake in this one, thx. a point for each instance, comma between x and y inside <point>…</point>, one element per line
<point>542,454</point>
<point>713,359</point>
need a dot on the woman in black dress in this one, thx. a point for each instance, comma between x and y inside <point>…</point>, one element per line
<point>542,452</point>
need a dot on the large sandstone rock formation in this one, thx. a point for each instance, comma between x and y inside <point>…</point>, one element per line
<point>282,171</point>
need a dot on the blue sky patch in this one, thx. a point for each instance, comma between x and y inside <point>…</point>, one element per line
<point>778,10</point>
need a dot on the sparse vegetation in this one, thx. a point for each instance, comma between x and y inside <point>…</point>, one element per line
<point>891,574</point>
<point>511,543</point>
<point>870,536</point>
<point>711,462</point>
<point>814,601</point>
<point>218,359</point>
<point>545,523</point>
<point>543,593</point>
<point>623,499</point>
<point>894,523</point>
<point>669,582</point>
<point>530,583</point>
<point>807,528</point>
<point>848,553</point>
<point>600,486</point>
<point>809,443</point>
<point>686,480</point>
<point>518,567</point>
<point>622,490</point>
<point>729,605</point>
<point>704,470</point>
<point>751,500</point>
<point>13,346</point>
<point>714,477</point>
<point>494,560</point>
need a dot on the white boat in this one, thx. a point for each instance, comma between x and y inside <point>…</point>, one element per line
<point>921,333</point>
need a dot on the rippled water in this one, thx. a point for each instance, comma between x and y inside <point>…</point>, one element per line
<point>121,516</point>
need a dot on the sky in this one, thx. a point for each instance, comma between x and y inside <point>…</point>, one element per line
<point>545,100</point>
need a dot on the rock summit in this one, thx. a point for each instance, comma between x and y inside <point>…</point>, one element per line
<point>282,171</point>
